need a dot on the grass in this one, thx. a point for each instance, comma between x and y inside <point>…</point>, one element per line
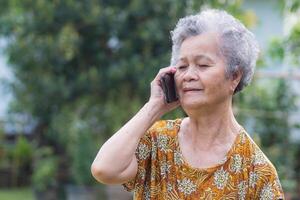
<point>16,194</point>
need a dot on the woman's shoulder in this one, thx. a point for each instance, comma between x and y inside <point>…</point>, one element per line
<point>263,173</point>
<point>256,156</point>
<point>165,127</point>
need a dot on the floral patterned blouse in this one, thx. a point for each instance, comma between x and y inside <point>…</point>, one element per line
<point>163,174</point>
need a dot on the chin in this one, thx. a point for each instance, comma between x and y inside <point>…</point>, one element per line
<point>192,104</point>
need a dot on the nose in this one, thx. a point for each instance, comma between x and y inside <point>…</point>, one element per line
<point>190,74</point>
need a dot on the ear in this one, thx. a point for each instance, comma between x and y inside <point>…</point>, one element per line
<point>235,79</point>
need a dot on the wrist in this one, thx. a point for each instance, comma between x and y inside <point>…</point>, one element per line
<point>153,110</point>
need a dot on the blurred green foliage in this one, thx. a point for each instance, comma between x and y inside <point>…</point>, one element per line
<point>2,150</point>
<point>46,169</point>
<point>16,161</point>
<point>287,48</point>
<point>16,194</point>
<point>22,157</point>
<point>22,152</point>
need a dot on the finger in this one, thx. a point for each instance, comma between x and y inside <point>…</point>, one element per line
<point>164,71</point>
<point>170,69</point>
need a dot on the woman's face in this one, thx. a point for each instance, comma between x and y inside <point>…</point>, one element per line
<point>200,76</point>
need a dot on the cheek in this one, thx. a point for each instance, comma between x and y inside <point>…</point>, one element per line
<point>220,87</point>
<point>215,82</point>
<point>177,79</point>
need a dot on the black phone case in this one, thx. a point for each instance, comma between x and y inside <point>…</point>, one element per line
<point>169,88</point>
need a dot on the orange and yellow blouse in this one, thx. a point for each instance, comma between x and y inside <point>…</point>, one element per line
<point>163,174</point>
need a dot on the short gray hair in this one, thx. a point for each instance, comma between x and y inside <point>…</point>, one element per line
<point>238,44</point>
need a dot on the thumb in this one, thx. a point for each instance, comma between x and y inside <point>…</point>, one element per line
<point>173,105</point>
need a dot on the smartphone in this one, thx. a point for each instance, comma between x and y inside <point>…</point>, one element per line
<point>169,87</point>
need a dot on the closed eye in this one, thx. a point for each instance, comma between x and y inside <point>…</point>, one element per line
<point>182,67</point>
<point>203,65</point>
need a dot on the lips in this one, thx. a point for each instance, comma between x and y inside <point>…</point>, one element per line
<point>191,89</point>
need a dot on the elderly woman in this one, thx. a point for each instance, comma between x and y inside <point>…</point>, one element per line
<point>207,155</point>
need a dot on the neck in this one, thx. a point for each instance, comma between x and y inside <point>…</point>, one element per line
<point>206,128</point>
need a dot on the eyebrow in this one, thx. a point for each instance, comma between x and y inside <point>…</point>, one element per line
<point>199,57</point>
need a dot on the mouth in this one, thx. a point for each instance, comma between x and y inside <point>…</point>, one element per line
<point>191,90</point>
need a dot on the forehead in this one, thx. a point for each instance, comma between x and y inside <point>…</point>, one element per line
<point>200,46</point>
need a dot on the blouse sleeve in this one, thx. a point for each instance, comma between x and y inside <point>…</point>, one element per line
<point>143,155</point>
<point>270,188</point>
